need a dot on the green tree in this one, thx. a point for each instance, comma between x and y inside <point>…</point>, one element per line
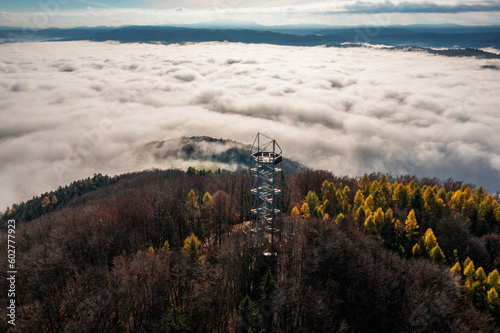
<point>364,185</point>
<point>400,196</point>
<point>312,201</point>
<point>176,322</point>
<point>480,275</point>
<point>267,286</point>
<point>247,314</point>
<point>417,199</point>
<point>493,279</point>
<point>206,198</point>
<point>431,206</point>
<point>437,255</point>
<point>379,199</point>
<point>331,201</point>
<point>369,204</point>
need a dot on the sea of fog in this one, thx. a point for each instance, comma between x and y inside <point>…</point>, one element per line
<point>72,109</point>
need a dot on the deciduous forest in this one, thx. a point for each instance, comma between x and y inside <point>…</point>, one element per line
<point>172,251</point>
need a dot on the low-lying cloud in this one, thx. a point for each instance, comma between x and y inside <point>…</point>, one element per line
<point>72,109</point>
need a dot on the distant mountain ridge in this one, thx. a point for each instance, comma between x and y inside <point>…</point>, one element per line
<point>427,36</point>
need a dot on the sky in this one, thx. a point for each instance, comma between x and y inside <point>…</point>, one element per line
<point>42,14</point>
<point>72,109</point>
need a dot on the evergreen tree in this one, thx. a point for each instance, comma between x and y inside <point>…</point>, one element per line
<point>358,201</point>
<point>247,314</point>
<point>305,210</point>
<point>370,225</point>
<point>400,196</point>
<point>191,246</point>
<point>430,240</point>
<point>437,255</point>
<point>493,279</point>
<point>456,268</point>
<point>312,201</point>
<point>480,275</point>
<point>411,226</point>
<point>364,185</point>
<point>379,220</point>
<point>267,286</point>
<point>176,322</point>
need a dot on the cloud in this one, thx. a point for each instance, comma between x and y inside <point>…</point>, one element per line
<point>71,109</point>
<point>344,12</point>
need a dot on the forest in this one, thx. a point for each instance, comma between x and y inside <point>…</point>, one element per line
<point>172,251</point>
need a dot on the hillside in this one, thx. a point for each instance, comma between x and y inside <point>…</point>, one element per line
<point>207,152</point>
<point>164,251</point>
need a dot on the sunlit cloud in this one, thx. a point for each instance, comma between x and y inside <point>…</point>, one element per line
<point>72,109</point>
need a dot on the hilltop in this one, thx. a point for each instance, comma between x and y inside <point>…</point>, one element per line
<point>167,250</point>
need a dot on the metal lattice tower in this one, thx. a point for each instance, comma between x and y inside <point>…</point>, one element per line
<point>265,157</point>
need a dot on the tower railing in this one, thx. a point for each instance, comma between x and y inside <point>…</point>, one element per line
<point>265,159</point>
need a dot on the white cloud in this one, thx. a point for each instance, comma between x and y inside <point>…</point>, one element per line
<point>71,109</point>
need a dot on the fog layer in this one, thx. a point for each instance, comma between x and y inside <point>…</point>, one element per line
<point>72,109</point>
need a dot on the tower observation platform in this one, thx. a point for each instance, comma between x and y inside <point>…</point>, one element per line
<point>265,161</point>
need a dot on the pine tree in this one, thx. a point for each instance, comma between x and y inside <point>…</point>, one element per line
<point>305,210</point>
<point>191,246</point>
<point>192,200</point>
<point>358,200</point>
<point>379,220</point>
<point>369,204</point>
<point>493,302</point>
<point>411,226</point>
<point>364,185</point>
<point>370,225</point>
<point>430,240</point>
<point>247,314</point>
<point>437,255</point>
<point>456,268</point>
<point>416,250</point>
<point>267,286</point>
<point>45,202</point>
<point>53,201</point>
<point>480,275</point>
<point>176,322</point>
<point>379,199</point>
<point>400,196</point>
<point>431,206</point>
<point>493,279</point>
<point>312,201</point>
<point>469,271</point>
<point>340,218</point>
